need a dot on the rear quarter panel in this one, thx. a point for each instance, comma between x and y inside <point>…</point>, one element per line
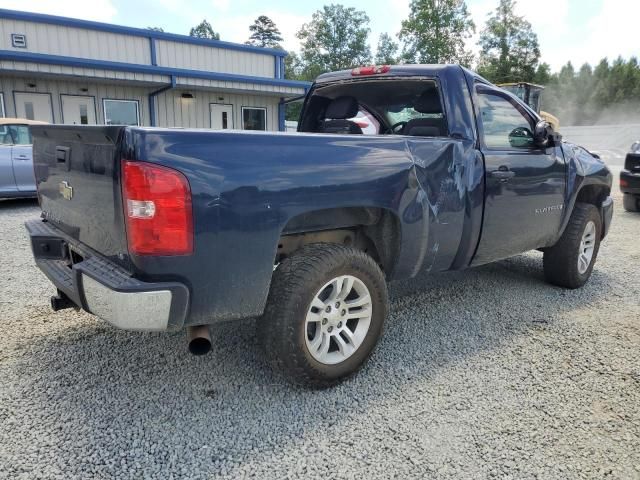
<point>246,187</point>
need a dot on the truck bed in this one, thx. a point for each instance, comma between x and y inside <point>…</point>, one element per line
<point>248,189</point>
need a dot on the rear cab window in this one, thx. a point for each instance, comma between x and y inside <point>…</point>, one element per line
<point>389,106</point>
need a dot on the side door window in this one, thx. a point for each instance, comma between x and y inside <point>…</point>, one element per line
<point>5,135</point>
<point>20,134</point>
<point>504,123</point>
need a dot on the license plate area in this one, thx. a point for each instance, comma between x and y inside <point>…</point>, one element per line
<point>50,248</point>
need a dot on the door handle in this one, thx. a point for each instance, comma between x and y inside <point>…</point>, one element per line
<point>22,157</point>
<point>503,173</point>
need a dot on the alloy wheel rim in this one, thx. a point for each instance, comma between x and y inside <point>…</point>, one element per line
<point>587,247</point>
<point>338,319</point>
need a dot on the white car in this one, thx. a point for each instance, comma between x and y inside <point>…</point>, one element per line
<point>16,158</point>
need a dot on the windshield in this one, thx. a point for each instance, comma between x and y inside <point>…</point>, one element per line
<point>409,113</point>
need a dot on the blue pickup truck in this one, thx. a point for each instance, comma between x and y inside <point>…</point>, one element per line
<point>158,228</point>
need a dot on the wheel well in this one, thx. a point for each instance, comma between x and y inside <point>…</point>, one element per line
<point>593,194</point>
<point>375,231</point>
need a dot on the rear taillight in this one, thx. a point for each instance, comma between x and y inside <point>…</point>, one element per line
<point>157,206</point>
<point>624,183</point>
<point>370,70</point>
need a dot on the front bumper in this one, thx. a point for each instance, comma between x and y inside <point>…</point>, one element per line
<point>103,288</point>
<point>630,182</point>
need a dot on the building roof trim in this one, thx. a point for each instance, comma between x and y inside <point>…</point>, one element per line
<point>137,32</point>
<point>151,69</point>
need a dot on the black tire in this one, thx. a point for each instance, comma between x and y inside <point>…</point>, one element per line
<point>630,202</point>
<point>295,283</point>
<point>561,260</point>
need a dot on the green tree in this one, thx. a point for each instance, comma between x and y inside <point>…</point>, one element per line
<point>293,67</point>
<point>387,50</point>
<point>543,74</point>
<point>601,74</point>
<point>435,32</point>
<point>509,47</point>
<point>204,30</point>
<point>264,33</point>
<point>608,93</point>
<point>294,70</point>
<point>334,39</point>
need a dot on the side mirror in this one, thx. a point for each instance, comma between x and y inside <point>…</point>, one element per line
<point>543,134</point>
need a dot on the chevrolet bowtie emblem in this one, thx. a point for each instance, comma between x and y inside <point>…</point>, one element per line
<point>66,190</point>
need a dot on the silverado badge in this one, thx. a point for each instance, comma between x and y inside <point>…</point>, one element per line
<point>66,190</point>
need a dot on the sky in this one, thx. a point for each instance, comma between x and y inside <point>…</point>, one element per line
<point>577,30</point>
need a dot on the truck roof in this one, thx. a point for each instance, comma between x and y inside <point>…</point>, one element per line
<point>402,70</point>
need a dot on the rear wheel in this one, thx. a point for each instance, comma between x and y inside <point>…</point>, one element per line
<point>630,202</point>
<point>325,313</point>
<point>570,261</point>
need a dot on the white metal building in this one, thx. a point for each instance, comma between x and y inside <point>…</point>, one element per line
<point>63,70</point>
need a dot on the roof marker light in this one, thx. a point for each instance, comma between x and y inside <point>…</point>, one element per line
<point>370,70</point>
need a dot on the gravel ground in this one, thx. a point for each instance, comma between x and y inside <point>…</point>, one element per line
<point>481,374</point>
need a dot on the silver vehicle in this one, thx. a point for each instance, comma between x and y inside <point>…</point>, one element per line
<point>16,158</point>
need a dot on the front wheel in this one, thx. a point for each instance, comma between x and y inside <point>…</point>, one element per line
<point>324,315</point>
<point>570,261</point>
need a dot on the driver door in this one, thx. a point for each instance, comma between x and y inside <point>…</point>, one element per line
<point>524,184</point>
<point>22,158</point>
<point>7,181</point>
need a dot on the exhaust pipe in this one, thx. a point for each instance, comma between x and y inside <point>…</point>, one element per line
<point>199,339</point>
<point>61,301</point>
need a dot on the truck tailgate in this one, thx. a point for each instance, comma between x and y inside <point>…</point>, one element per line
<point>77,176</point>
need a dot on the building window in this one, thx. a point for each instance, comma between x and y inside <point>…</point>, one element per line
<point>121,112</point>
<point>254,118</point>
<point>29,113</point>
<point>2,114</point>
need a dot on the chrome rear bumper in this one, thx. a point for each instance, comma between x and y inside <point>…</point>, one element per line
<point>105,289</point>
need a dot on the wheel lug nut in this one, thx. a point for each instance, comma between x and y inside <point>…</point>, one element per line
<point>324,321</point>
<point>328,309</point>
<point>337,304</point>
<point>343,313</point>
<point>330,329</point>
<point>339,324</point>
